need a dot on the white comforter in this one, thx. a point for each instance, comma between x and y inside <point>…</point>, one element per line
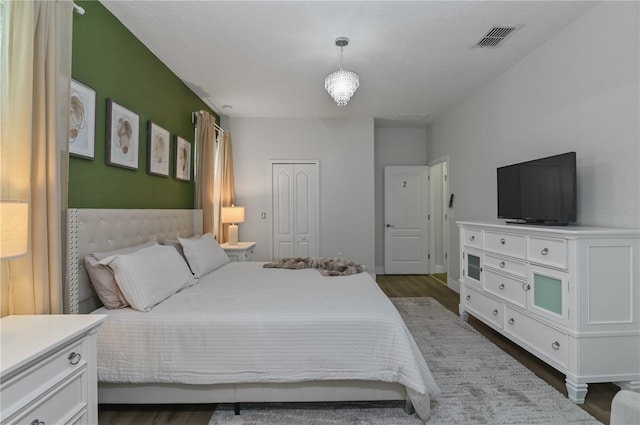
<point>242,323</point>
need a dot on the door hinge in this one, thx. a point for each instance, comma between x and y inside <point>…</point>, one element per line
<point>445,177</point>
<point>428,178</point>
<point>446,255</point>
<point>463,255</point>
<point>428,256</point>
<point>446,216</point>
<point>463,273</point>
<point>428,216</point>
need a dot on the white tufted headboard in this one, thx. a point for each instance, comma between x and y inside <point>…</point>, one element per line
<point>93,230</point>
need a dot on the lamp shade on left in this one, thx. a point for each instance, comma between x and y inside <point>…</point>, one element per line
<point>14,228</point>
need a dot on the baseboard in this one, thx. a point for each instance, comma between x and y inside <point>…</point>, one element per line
<point>453,284</point>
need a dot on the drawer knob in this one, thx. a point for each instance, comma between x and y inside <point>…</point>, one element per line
<point>501,287</point>
<point>503,241</point>
<point>74,358</point>
<point>502,264</point>
<point>37,422</point>
<point>544,251</point>
<point>526,287</point>
<point>495,312</point>
<point>472,238</point>
<point>555,345</point>
<point>512,321</point>
<point>468,297</point>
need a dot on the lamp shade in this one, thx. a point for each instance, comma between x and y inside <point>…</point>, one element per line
<point>232,214</point>
<point>14,221</point>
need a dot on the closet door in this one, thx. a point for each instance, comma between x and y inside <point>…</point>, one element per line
<point>295,209</point>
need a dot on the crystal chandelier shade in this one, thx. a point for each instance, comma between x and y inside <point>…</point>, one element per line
<point>342,84</point>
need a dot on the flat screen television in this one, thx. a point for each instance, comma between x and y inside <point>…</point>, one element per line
<point>541,191</point>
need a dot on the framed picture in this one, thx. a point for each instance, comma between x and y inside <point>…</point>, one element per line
<point>183,159</point>
<point>122,136</point>
<point>158,141</point>
<point>82,121</point>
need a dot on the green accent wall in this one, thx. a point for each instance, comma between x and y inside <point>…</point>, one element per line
<point>110,59</point>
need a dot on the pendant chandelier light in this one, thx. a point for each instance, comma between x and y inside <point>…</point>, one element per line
<point>342,84</point>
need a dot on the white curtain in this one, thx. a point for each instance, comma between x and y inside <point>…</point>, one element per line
<point>36,75</point>
<point>223,187</point>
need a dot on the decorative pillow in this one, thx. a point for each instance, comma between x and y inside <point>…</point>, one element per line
<point>203,254</point>
<point>178,246</point>
<point>102,276</point>
<point>149,276</point>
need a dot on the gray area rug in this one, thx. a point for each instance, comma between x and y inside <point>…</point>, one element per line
<point>480,384</point>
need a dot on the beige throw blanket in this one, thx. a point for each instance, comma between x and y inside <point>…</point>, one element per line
<point>325,265</point>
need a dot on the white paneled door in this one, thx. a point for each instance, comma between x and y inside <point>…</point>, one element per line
<point>406,206</point>
<point>295,204</point>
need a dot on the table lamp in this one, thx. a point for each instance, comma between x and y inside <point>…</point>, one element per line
<point>233,215</point>
<point>14,220</point>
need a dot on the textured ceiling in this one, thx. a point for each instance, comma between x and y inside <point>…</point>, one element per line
<point>269,59</point>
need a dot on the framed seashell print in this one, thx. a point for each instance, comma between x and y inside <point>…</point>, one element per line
<point>82,120</point>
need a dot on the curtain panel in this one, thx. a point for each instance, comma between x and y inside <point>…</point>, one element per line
<point>36,75</point>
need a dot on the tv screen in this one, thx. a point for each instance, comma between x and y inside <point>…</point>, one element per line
<point>542,191</point>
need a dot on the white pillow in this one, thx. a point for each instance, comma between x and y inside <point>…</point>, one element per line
<point>203,254</point>
<point>102,276</point>
<point>150,275</point>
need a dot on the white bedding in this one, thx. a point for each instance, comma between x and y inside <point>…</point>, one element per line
<point>243,323</point>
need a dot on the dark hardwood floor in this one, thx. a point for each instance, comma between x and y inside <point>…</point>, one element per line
<point>598,401</point>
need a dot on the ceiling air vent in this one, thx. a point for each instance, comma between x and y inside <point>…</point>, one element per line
<point>495,36</point>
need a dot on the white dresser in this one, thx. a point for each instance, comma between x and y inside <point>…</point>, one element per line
<point>48,369</point>
<point>570,295</point>
<point>243,251</point>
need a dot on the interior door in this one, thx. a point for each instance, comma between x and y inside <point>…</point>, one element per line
<point>295,221</point>
<point>406,206</point>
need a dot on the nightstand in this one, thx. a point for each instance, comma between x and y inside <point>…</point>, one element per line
<point>244,251</point>
<point>48,369</point>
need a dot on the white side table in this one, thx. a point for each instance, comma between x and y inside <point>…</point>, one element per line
<point>244,251</point>
<point>48,369</point>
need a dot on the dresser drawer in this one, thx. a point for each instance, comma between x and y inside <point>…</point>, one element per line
<point>548,251</point>
<point>513,267</point>
<point>506,243</point>
<point>42,375</point>
<point>472,237</point>
<point>61,404</point>
<point>483,306</point>
<point>544,339</point>
<point>505,287</point>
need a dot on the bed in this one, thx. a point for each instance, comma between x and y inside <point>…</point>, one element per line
<point>243,333</point>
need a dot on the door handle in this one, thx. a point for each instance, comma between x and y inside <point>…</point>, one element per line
<point>390,225</point>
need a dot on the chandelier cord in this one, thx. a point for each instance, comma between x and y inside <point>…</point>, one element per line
<point>341,48</point>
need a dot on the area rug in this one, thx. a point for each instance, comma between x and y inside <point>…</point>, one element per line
<point>480,384</point>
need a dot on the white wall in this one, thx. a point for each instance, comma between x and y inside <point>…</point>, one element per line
<point>577,92</point>
<point>345,149</point>
<point>394,146</point>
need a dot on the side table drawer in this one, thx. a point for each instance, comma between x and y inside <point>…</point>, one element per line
<point>483,306</point>
<point>61,404</point>
<point>42,375</point>
<point>249,254</point>
<point>548,341</point>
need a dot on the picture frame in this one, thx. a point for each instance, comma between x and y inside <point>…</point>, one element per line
<point>158,143</point>
<point>123,134</point>
<point>183,159</point>
<point>82,120</point>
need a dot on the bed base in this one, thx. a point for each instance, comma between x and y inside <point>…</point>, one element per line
<point>312,391</point>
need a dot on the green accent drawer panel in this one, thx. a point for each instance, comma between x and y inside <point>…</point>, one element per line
<point>547,293</point>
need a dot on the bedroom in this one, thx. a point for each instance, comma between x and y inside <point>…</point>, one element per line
<point>586,101</point>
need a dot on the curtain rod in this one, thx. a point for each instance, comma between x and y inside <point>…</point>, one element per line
<point>193,121</point>
<point>78,9</point>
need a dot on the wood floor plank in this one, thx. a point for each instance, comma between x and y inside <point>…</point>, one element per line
<point>597,403</point>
